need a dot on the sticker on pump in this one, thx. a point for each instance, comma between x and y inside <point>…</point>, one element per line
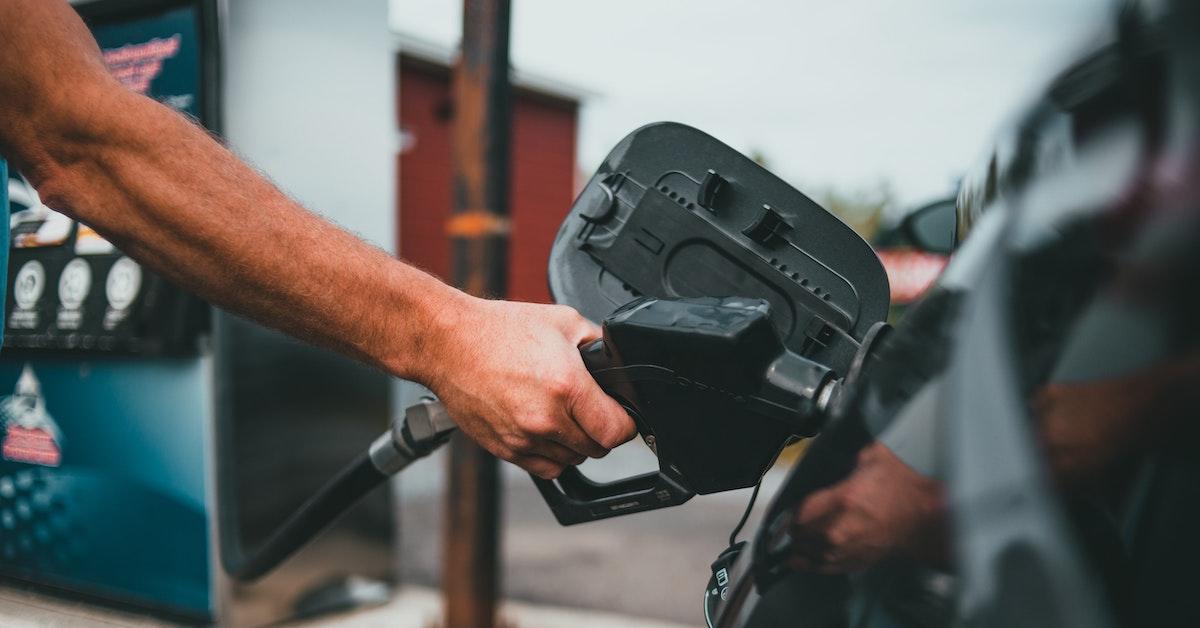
<point>121,289</point>
<point>30,434</point>
<point>73,286</point>
<point>28,286</point>
<point>74,283</point>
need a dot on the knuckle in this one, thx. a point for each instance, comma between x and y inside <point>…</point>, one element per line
<point>854,495</point>
<point>540,426</point>
<point>518,443</point>
<point>616,433</point>
<point>607,444</point>
<point>610,440</point>
<point>562,386</point>
<point>546,470</point>
<point>567,313</point>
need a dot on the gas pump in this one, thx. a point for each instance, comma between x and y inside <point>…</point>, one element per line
<point>133,416</point>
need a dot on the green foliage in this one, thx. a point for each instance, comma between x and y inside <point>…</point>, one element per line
<point>863,209</point>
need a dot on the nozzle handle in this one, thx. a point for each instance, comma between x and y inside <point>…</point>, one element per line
<point>574,498</point>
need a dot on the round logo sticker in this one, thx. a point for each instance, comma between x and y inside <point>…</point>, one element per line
<point>74,283</point>
<point>29,284</point>
<point>123,283</point>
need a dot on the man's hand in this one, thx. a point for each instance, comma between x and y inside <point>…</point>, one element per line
<point>884,508</point>
<point>511,376</point>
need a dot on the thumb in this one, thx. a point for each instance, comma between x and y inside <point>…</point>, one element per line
<point>580,330</point>
<point>601,417</point>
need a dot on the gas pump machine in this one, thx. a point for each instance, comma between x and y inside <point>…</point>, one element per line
<point>135,419</point>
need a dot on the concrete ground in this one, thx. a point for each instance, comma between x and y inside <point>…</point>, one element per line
<point>411,607</point>
<point>653,565</point>
<point>647,570</point>
<point>420,607</point>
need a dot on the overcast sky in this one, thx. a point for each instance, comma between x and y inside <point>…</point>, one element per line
<point>845,93</point>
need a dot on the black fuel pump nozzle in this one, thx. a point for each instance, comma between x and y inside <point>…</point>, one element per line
<point>714,393</point>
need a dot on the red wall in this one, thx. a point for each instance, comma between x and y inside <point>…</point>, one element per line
<point>542,186</point>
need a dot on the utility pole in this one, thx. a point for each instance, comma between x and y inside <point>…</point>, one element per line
<point>478,230</point>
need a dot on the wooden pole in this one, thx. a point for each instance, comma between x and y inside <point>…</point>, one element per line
<point>478,230</point>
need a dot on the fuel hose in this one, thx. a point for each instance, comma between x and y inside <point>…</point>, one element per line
<point>417,433</point>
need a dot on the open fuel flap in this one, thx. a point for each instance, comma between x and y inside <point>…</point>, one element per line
<point>673,212</point>
<point>732,307</point>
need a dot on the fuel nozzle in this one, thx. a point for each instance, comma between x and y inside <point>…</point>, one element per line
<point>422,428</point>
<point>794,381</point>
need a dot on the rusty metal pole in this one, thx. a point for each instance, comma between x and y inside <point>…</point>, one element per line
<point>479,233</point>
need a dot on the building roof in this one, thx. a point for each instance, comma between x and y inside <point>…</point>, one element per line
<point>419,49</point>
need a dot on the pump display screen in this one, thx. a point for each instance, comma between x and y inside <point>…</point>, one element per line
<point>70,288</point>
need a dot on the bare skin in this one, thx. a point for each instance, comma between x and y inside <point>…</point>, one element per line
<point>1087,427</point>
<point>165,192</point>
<point>885,509</point>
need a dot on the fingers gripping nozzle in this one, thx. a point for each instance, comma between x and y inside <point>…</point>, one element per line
<point>714,392</point>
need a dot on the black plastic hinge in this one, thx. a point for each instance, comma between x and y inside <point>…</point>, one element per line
<point>768,227</point>
<point>819,331</point>
<point>709,188</point>
<point>597,203</point>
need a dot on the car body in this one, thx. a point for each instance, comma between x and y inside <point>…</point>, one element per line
<point>1048,380</point>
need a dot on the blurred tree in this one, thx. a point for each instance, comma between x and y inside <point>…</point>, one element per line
<point>863,209</point>
<point>757,156</point>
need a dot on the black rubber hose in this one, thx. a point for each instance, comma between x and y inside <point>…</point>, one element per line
<point>321,510</point>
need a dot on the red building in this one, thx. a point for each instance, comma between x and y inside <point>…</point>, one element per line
<point>542,170</point>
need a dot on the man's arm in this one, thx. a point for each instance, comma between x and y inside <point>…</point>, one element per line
<point>882,509</point>
<point>170,196</point>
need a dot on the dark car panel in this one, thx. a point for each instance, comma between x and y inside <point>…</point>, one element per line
<point>1051,380</point>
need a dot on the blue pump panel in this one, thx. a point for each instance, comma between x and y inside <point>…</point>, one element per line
<point>106,392</point>
<point>102,486</point>
<point>3,234</point>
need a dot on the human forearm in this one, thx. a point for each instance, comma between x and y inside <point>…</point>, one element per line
<point>161,189</point>
<point>169,195</point>
<point>173,198</point>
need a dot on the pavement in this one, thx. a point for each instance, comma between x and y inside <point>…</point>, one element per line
<point>643,571</point>
<point>21,607</point>
<point>410,607</point>
<point>419,607</point>
<point>653,565</point>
